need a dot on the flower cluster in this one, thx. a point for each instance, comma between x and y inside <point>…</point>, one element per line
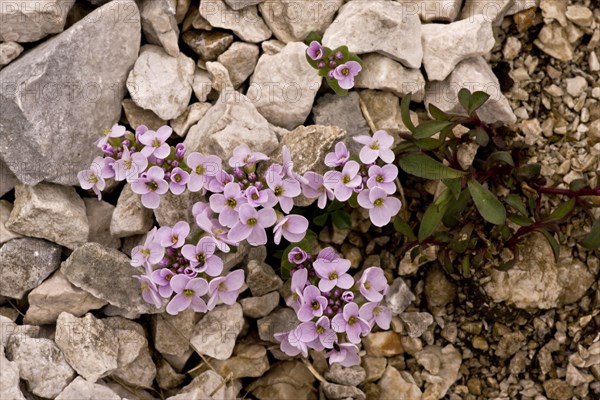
<point>186,273</point>
<point>338,66</point>
<point>334,309</point>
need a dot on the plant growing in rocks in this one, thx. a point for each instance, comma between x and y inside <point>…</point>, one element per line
<point>485,205</point>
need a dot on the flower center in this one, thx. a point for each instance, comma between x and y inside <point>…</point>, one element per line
<point>352,320</point>
<point>333,276</point>
<point>174,239</point>
<point>367,285</point>
<point>345,71</point>
<point>222,287</point>
<point>93,178</point>
<point>156,142</point>
<point>377,311</point>
<point>152,185</point>
<point>255,196</point>
<point>346,179</point>
<point>169,277</point>
<point>320,330</point>
<point>200,169</point>
<point>380,179</point>
<point>177,178</point>
<point>188,292</point>
<point>378,203</point>
<point>201,257</point>
<point>145,251</point>
<point>231,202</point>
<point>279,191</point>
<point>298,256</point>
<point>375,145</point>
<point>316,305</point>
<point>251,221</point>
<point>128,163</point>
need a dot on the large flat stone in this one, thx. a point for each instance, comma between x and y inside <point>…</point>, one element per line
<point>385,27</point>
<point>107,275</point>
<point>28,21</point>
<point>56,98</point>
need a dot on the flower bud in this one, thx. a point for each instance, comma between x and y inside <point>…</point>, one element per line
<point>347,296</point>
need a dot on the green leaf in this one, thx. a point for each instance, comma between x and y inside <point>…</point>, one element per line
<point>464,98</point>
<point>433,215</point>
<point>353,200</point>
<point>455,209</point>
<point>592,240</point>
<point>334,205</point>
<point>499,157</point>
<point>520,220</point>
<point>428,143</point>
<point>321,220</point>
<point>438,114</point>
<point>313,36</point>
<point>426,167</point>
<point>481,137</point>
<point>333,84</point>
<point>561,211</point>
<point>403,228</point>
<point>429,128</point>
<point>577,184</point>
<point>341,219</point>
<point>488,205</point>
<point>553,243</point>
<point>453,185</point>
<point>515,202</point>
<point>405,113</point>
<point>529,171</point>
<point>477,100</point>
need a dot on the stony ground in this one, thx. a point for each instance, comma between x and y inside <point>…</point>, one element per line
<point>221,72</point>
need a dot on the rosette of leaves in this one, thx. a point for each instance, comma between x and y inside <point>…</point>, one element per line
<point>469,220</point>
<point>324,71</point>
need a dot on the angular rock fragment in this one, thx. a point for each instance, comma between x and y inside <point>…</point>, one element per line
<point>194,113</point>
<point>293,21</point>
<point>6,234</point>
<point>160,25</point>
<point>24,21</point>
<point>161,83</point>
<point>216,333</point>
<point>8,52</point>
<point>25,263</point>
<point>444,46</point>
<point>81,389</point>
<point>51,212</point>
<point>239,59</point>
<point>130,217</point>
<point>56,295</point>
<point>99,214</point>
<point>137,116</point>
<point>207,44</point>
<point>245,23</point>
<point>283,86</point>
<point>361,25</point>
<point>107,275</point>
<point>84,88</point>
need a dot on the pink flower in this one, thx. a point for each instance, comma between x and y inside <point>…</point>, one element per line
<point>333,273</point>
<point>315,189</point>
<point>318,334</point>
<point>315,50</point>
<point>343,183</point>
<point>282,190</point>
<point>150,186</point>
<point>130,166</point>
<point>374,312</point>
<point>173,237</point>
<point>155,142</point>
<point>217,231</point>
<point>179,178</point>
<point>372,284</point>
<point>225,289</point>
<point>149,290</point>
<point>383,177</point>
<point>291,342</point>
<point>218,182</point>
<point>252,224</point>
<point>350,322</point>
<point>378,145</point>
<point>381,207</point>
<point>344,353</point>
<point>292,227</point>
<point>92,178</point>
<point>204,169</point>
<point>345,74</point>
<point>242,155</point>
<point>162,277</point>
<point>299,279</point>
<point>313,304</point>
<point>338,157</point>
<point>297,255</point>
<point>228,203</point>
<point>114,132</point>
<point>256,197</point>
<point>189,292</point>
<point>202,256</point>
<point>150,253</point>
